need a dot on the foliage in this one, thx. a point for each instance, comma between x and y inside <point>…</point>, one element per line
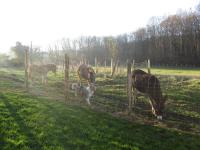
<point>172,40</point>
<point>19,53</point>
<point>4,60</point>
<point>36,56</point>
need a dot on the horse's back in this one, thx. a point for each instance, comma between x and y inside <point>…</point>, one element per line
<point>145,82</point>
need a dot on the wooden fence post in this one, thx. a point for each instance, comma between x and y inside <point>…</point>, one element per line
<point>96,65</point>
<point>66,90</point>
<point>134,92</point>
<point>117,67</point>
<point>133,65</point>
<point>148,66</point>
<point>129,85</point>
<point>105,69</point>
<point>111,66</point>
<point>26,68</point>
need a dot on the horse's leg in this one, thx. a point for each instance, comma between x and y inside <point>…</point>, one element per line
<point>152,107</point>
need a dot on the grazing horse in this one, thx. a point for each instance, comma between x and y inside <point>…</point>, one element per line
<point>150,85</point>
<point>41,70</point>
<point>86,72</point>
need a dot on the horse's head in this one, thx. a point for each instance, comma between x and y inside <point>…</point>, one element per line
<point>159,106</point>
<point>91,75</point>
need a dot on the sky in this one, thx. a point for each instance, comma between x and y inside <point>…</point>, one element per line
<point>46,21</point>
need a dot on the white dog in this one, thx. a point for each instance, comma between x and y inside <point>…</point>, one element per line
<point>85,91</point>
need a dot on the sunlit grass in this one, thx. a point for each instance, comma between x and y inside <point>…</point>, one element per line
<point>155,70</point>
<point>40,118</point>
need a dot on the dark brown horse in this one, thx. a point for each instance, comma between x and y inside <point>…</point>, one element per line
<point>150,85</point>
<point>86,73</point>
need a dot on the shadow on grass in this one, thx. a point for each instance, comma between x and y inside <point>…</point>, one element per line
<point>75,127</point>
<point>23,128</point>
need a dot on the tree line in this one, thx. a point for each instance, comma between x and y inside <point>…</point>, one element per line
<point>172,40</point>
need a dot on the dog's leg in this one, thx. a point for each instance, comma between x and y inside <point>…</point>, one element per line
<point>88,100</point>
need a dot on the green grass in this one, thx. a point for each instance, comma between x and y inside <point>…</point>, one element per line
<point>182,107</point>
<point>175,71</point>
<point>158,71</point>
<point>40,118</point>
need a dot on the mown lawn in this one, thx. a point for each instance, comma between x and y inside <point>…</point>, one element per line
<point>42,120</point>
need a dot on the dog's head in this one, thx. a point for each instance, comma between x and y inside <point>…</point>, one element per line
<point>74,86</point>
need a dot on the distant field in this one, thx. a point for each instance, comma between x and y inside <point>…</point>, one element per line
<point>175,71</point>
<point>40,118</point>
<point>159,70</point>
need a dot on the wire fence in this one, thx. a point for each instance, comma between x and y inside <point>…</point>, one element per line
<point>182,108</point>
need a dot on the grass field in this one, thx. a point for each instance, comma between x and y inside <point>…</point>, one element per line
<point>41,119</point>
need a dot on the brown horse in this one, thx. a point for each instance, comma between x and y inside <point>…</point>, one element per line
<point>86,73</point>
<point>41,70</point>
<point>150,85</point>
